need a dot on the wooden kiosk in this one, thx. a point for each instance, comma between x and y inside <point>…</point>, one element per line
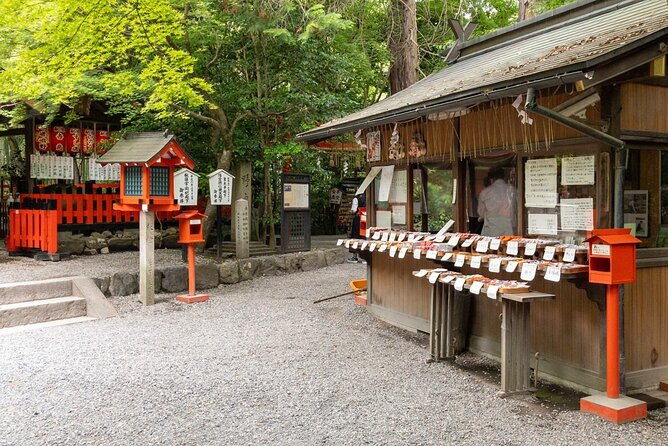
<point>575,120</point>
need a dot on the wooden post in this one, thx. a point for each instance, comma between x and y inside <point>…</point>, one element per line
<point>219,232</point>
<point>146,257</point>
<point>612,324</point>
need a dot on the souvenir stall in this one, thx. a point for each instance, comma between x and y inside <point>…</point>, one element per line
<point>487,178</point>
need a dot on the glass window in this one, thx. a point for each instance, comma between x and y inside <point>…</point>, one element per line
<point>393,212</point>
<point>133,181</point>
<point>561,195</point>
<point>159,181</point>
<point>432,206</point>
<point>492,192</point>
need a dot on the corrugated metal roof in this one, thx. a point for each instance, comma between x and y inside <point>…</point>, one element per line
<point>575,45</point>
<point>136,147</point>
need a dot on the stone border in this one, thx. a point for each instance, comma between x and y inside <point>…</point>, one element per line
<point>175,278</point>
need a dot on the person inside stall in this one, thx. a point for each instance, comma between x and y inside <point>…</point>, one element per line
<point>496,205</point>
<point>359,201</point>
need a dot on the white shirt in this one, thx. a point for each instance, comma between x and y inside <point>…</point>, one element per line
<point>496,204</point>
<point>355,204</point>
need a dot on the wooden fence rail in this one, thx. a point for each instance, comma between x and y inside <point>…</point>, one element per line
<point>33,224</point>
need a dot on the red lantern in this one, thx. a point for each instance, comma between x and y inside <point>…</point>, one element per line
<point>101,141</point>
<point>58,142</point>
<point>73,140</point>
<point>88,141</point>
<point>42,143</point>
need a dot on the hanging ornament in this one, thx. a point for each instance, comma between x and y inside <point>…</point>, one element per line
<point>88,141</point>
<point>57,136</point>
<point>42,142</point>
<point>73,140</point>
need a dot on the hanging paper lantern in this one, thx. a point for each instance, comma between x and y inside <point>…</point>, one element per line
<point>42,143</point>
<point>101,139</point>
<point>57,134</point>
<point>73,140</point>
<point>88,141</point>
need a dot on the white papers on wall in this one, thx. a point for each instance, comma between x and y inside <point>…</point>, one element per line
<point>578,170</point>
<point>51,167</point>
<point>387,172</point>
<point>543,224</point>
<point>540,178</point>
<point>577,214</point>
<point>399,188</point>
<point>108,172</point>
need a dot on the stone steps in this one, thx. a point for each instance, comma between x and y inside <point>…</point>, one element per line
<point>49,324</point>
<point>41,310</point>
<point>51,302</point>
<point>256,249</point>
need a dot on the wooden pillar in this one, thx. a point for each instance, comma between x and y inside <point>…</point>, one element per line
<point>459,174</point>
<point>146,257</point>
<point>515,347</point>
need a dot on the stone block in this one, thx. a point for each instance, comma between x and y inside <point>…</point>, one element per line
<point>95,234</point>
<point>313,260</point>
<point>124,284</point>
<point>104,250</point>
<point>171,242</point>
<point>132,233</point>
<point>90,251</point>
<point>175,279</point>
<point>103,284</point>
<point>157,282</point>
<point>120,244</point>
<point>71,245</point>
<point>334,256</point>
<point>206,276</point>
<point>249,269</point>
<point>229,272</point>
<point>269,266</point>
<point>107,234</point>
<point>290,263</point>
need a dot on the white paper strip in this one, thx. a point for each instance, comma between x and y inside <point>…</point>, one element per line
<point>476,287</point>
<point>553,273</point>
<point>492,291</point>
<point>528,271</point>
<point>460,260</point>
<point>476,261</point>
<point>495,265</point>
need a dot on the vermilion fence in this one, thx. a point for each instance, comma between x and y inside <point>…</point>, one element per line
<point>34,222</point>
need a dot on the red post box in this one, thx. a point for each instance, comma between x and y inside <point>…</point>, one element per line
<point>612,256</point>
<point>191,233</point>
<point>191,224</point>
<point>362,212</point>
<point>612,261</point>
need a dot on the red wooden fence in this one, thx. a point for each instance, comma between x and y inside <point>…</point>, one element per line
<point>38,228</point>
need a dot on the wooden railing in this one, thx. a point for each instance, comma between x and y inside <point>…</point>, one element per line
<point>33,224</point>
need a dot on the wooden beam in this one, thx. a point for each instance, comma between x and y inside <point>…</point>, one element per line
<point>13,132</point>
<point>657,67</point>
<point>621,66</point>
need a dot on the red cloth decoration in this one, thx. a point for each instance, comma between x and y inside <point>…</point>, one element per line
<point>73,140</point>
<point>58,141</point>
<point>101,138</point>
<point>42,142</point>
<point>88,141</point>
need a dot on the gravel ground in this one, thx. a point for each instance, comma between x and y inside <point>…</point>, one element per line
<point>260,364</point>
<point>21,269</point>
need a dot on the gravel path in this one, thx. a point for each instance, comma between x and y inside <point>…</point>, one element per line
<point>260,364</point>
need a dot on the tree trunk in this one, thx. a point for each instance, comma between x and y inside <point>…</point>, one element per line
<point>403,45</point>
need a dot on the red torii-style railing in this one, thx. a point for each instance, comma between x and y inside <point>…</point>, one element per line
<point>34,225</point>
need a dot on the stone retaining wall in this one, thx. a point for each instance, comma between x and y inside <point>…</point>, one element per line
<point>175,278</point>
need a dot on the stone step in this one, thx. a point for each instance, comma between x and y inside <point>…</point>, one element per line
<point>11,293</point>
<point>42,310</point>
<point>49,324</point>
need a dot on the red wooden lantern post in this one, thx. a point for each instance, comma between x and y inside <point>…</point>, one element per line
<point>147,170</point>
<point>612,261</point>
<point>190,233</point>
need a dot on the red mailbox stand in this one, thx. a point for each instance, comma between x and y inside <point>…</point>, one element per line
<point>612,261</point>
<point>363,226</point>
<point>190,233</point>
